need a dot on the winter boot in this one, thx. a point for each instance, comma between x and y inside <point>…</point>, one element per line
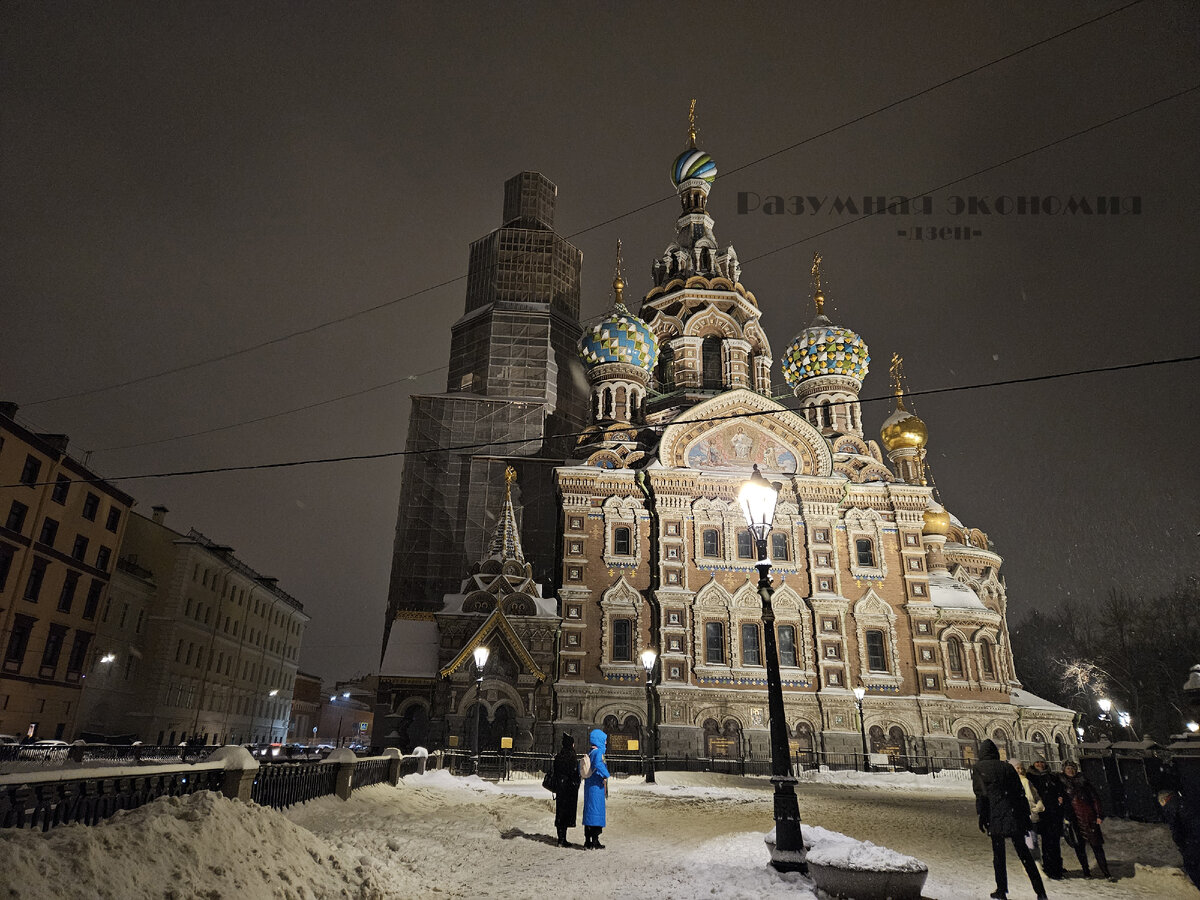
<point>596,840</point>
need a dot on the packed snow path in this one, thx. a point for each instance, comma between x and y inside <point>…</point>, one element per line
<point>690,836</point>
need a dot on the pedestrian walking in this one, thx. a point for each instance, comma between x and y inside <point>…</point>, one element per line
<point>1183,818</point>
<point>1085,815</point>
<point>1003,813</point>
<point>1036,807</point>
<point>1050,822</point>
<point>595,790</point>
<point>565,779</point>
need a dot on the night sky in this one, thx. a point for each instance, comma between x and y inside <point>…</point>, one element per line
<point>182,181</point>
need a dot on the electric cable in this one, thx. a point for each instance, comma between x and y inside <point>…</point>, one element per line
<point>388,454</point>
<point>261,345</point>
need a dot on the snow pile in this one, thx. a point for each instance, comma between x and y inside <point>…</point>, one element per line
<point>200,845</point>
<point>830,848</point>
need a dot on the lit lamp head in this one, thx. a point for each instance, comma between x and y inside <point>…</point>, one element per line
<point>274,692</point>
<point>1193,727</point>
<point>1079,731</point>
<point>859,693</point>
<point>481,658</point>
<point>1124,719</point>
<point>108,657</point>
<point>649,657</point>
<point>757,498</point>
<point>1105,704</point>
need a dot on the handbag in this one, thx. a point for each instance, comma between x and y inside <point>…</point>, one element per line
<point>549,782</point>
<point>1071,833</point>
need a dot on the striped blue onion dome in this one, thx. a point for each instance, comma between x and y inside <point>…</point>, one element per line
<point>825,350</point>
<point>621,337</point>
<point>693,163</point>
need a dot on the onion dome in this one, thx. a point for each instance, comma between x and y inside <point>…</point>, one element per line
<point>937,520</point>
<point>903,430</point>
<point>620,337</point>
<point>693,163</point>
<point>824,348</point>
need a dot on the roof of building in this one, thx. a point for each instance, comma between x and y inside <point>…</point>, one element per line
<point>1033,701</point>
<point>947,592</point>
<point>412,648</point>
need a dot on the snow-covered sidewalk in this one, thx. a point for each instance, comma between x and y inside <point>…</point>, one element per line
<point>691,835</point>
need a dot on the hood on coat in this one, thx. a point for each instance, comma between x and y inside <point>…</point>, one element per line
<point>598,738</point>
<point>988,750</point>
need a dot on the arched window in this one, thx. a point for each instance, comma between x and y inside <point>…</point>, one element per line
<point>787,645</point>
<point>710,355</point>
<point>622,541</point>
<point>714,643</point>
<point>751,656</point>
<point>711,541</point>
<point>954,655</point>
<point>877,739</point>
<point>622,640</point>
<point>665,372</point>
<point>968,744</point>
<point>865,551</point>
<point>745,546</point>
<point>876,655</point>
<point>985,653</point>
<point>779,546</point>
<point>826,414</point>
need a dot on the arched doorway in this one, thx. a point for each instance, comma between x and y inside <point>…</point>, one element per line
<point>968,745</point>
<point>1061,746</point>
<point>897,746</point>
<point>804,744</point>
<point>503,724</point>
<point>877,739</point>
<point>1000,739</point>
<point>412,729</point>
<point>621,733</point>
<point>722,742</point>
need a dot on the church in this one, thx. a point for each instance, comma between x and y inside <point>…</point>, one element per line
<point>570,501</point>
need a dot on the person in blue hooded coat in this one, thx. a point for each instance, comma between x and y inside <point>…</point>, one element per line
<point>595,792</point>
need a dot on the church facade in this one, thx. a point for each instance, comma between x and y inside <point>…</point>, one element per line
<point>634,540</point>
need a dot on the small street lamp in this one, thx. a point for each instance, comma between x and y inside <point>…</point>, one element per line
<point>859,693</point>
<point>481,658</point>
<point>1193,727</point>
<point>1105,705</point>
<point>757,499</point>
<point>649,658</point>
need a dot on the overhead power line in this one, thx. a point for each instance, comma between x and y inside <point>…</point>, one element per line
<point>388,454</point>
<point>262,345</point>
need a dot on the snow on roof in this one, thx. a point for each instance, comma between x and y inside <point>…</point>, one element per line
<point>412,649</point>
<point>1033,701</point>
<point>950,593</point>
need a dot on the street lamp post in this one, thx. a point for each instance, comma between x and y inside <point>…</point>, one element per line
<point>859,693</point>
<point>481,658</point>
<point>649,657</point>
<point>757,499</point>
<point>1105,708</point>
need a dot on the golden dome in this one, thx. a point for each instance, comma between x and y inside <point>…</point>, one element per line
<point>903,430</point>
<point>937,520</point>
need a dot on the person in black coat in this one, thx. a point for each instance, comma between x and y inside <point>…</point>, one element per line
<point>566,780</point>
<point>1050,823</point>
<point>1183,818</point>
<point>1003,813</point>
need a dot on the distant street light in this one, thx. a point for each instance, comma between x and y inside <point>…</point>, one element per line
<point>274,692</point>
<point>859,693</point>
<point>649,657</point>
<point>757,499</point>
<point>481,658</point>
<point>108,657</point>
<point>1193,727</point>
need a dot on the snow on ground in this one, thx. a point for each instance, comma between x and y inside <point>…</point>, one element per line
<point>691,835</point>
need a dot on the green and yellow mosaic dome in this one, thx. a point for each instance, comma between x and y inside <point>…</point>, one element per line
<point>825,350</point>
<point>621,337</point>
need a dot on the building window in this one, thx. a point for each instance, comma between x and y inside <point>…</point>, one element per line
<point>751,654</point>
<point>714,643</point>
<point>710,354</point>
<point>779,546</point>
<point>622,541</point>
<point>16,516</point>
<point>49,532</point>
<point>102,557</point>
<point>985,650</point>
<point>866,552</point>
<point>37,574</point>
<point>29,472</point>
<point>78,653</point>
<point>745,546</point>
<point>93,599</point>
<point>18,642</point>
<point>67,596</point>
<point>54,645</point>
<point>876,656</point>
<point>787,645</point>
<point>6,558</point>
<point>62,484</point>
<point>91,505</point>
<point>954,656</point>
<point>114,519</point>
<point>711,542</point>
<point>622,640</point>
<point>79,548</point>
